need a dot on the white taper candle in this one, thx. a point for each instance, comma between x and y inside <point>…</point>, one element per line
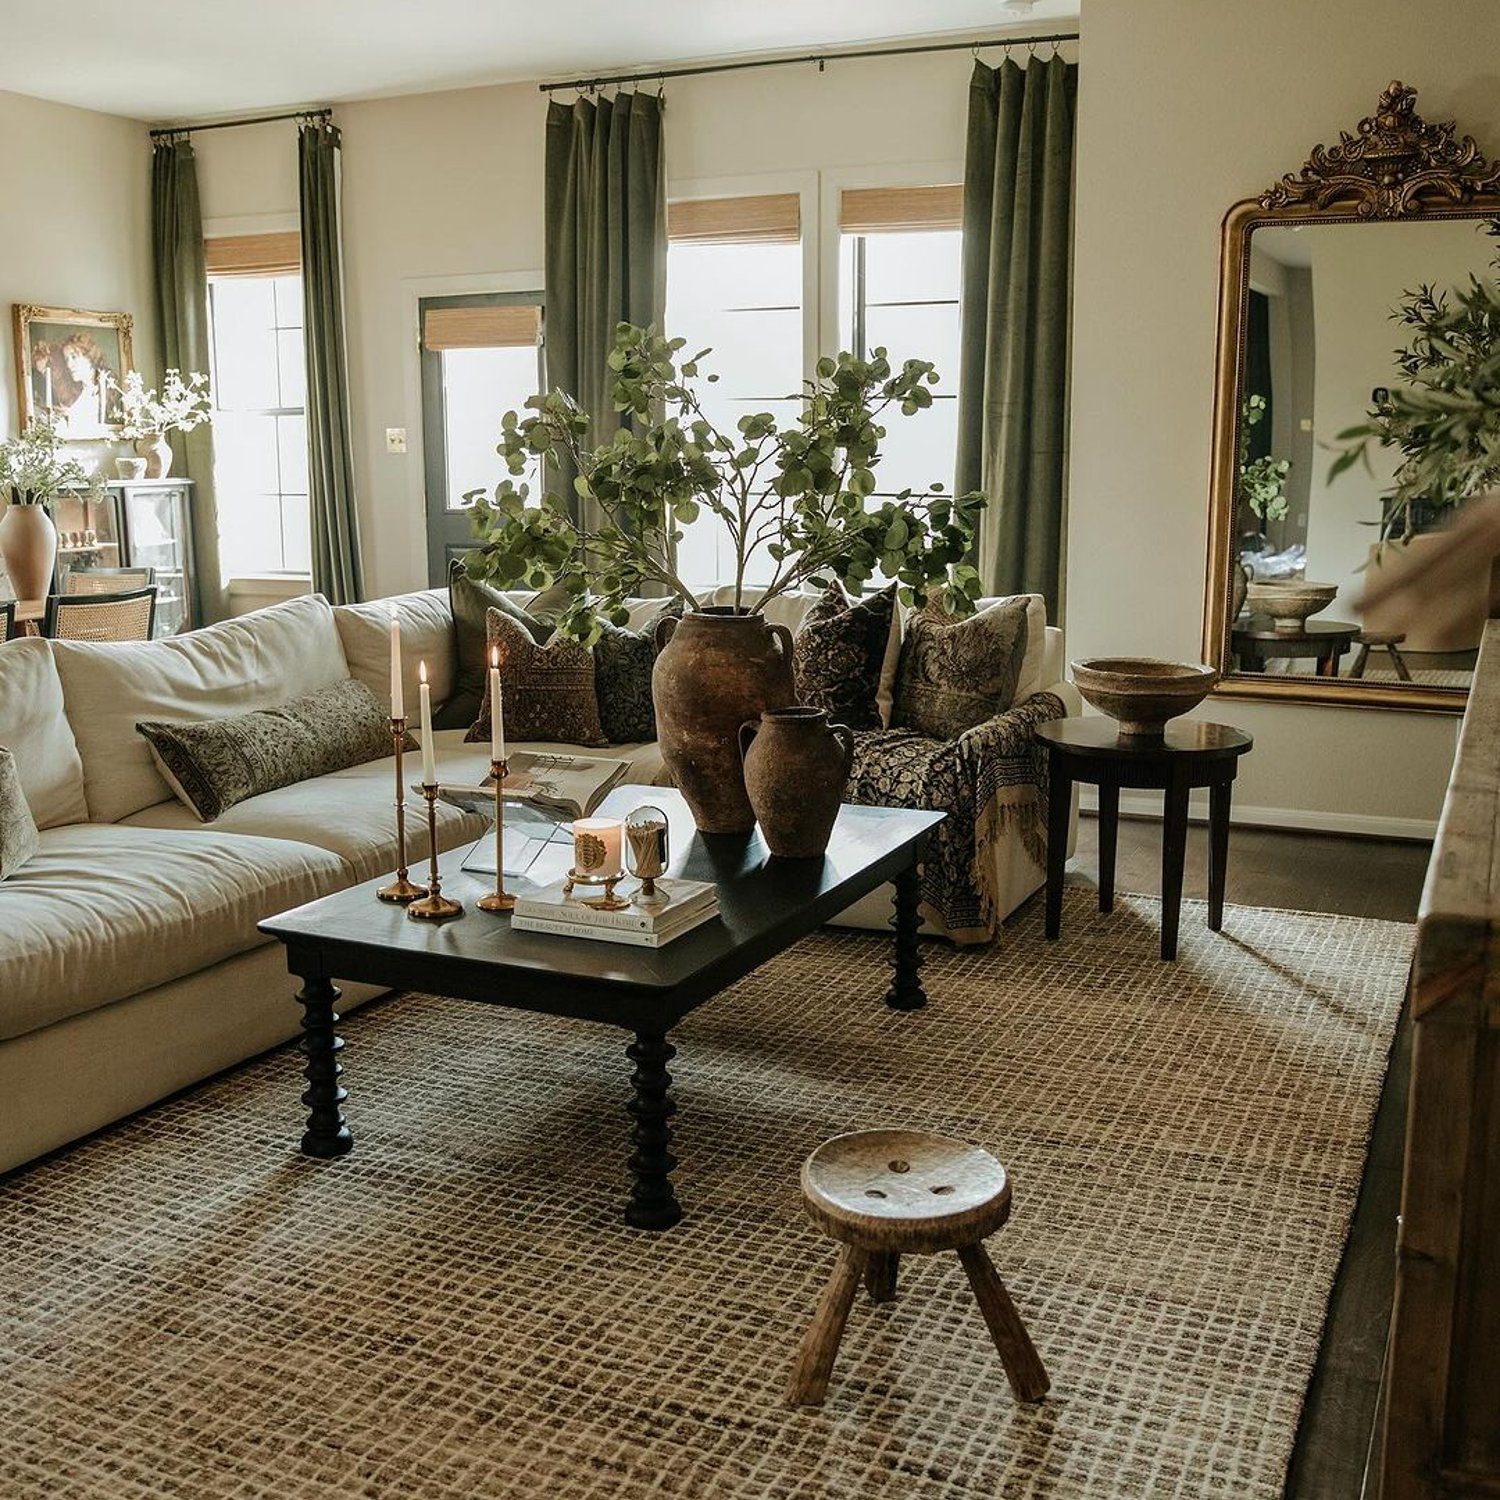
<point>497,708</point>
<point>424,693</point>
<point>398,688</point>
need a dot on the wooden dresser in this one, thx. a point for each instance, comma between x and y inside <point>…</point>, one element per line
<point>1442,1403</point>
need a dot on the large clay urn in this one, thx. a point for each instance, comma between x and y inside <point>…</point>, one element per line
<point>28,548</point>
<point>716,668</point>
<point>796,768</point>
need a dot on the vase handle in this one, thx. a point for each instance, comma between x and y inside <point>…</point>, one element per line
<point>747,733</point>
<point>666,628</point>
<point>845,736</point>
<point>783,638</point>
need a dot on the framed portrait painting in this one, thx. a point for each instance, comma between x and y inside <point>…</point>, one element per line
<point>69,366</point>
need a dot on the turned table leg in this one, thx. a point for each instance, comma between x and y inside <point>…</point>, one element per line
<point>653,1203</point>
<point>326,1135</point>
<point>906,992</point>
<point>820,1344</point>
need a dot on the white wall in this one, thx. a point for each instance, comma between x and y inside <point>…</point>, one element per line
<point>75,186</point>
<point>1185,107</point>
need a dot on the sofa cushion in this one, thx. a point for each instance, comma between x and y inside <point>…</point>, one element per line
<point>471,599</point>
<point>256,661</point>
<point>102,912</point>
<point>426,635</point>
<point>35,729</point>
<point>549,690</point>
<point>958,672</point>
<point>624,657</point>
<point>839,651</point>
<point>215,763</point>
<point>18,833</point>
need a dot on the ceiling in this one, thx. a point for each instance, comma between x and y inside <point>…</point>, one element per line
<point>170,60</point>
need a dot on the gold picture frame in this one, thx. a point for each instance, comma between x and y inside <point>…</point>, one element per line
<point>63,355</point>
<point>1395,168</point>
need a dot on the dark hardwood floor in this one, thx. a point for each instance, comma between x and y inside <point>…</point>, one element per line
<point>1349,877</point>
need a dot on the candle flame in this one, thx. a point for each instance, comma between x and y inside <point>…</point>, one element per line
<point>495,657</point>
<point>421,671</point>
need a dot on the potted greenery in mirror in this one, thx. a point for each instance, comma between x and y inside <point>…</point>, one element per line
<point>33,473</point>
<point>147,416</point>
<point>1442,424</point>
<point>800,493</point>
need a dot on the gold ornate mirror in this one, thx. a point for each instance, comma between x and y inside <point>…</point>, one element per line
<point>1325,280</point>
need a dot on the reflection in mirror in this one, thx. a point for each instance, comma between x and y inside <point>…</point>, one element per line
<point>1332,310</point>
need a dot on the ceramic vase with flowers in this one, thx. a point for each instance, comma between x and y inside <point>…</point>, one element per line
<point>33,473</point>
<point>147,416</point>
<point>795,497</point>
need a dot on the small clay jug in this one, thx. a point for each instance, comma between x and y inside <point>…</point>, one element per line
<point>796,769</point>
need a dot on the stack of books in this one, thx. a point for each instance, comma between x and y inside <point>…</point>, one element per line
<point>682,906</point>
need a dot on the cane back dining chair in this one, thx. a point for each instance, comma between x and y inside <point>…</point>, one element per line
<point>126,616</point>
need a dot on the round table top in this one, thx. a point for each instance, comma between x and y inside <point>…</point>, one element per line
<point>1096,735</point>
<point>1260,628</point>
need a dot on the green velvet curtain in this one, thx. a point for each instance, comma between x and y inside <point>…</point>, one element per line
<point>182,327</point>
<point>1017,273</point>
<point>337,571</point>
<point>606,243</point>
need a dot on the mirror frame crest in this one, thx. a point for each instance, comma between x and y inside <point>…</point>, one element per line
<point>1395,168</point>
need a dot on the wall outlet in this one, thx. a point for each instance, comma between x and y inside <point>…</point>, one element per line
<point>395,440</point>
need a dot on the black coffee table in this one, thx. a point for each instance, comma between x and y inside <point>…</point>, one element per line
<point>1189,754</point>
<point>765,905</point>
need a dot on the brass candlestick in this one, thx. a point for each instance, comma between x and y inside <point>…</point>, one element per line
<point>400,889</point>
<point>498,899</point>
<point>434,906</point>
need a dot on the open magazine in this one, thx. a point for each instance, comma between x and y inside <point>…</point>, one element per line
<point>572,785</point>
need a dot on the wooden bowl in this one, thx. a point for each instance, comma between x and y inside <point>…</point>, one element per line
<point>1141,692</point>
<point>1289,602</point>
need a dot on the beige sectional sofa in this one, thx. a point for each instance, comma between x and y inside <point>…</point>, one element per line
<point>130,964</point>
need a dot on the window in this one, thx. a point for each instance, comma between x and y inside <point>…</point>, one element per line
<point>900,264</point>
<point>260,423</point>
<point>734,284</point>
<point>481,357</point>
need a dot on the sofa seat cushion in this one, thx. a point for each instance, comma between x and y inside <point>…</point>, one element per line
<point>103,911</point>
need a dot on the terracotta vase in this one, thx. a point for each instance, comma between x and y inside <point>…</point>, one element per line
<point>716,668</point>
<point>28,548</point>
<point>157,452</point>
<point>796,769</point>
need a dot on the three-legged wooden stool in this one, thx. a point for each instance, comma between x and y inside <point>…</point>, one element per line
<point>887,1193</point>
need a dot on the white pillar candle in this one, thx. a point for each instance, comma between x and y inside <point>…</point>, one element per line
<point>497,708</point>
<point>610,833</point>
<point>424,693</point>
<point>398,690</point>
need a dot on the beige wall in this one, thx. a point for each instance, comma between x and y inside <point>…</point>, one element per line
<point>75,186</point>
<point>1185,107</point>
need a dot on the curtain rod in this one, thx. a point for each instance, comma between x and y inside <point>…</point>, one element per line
<point>296,114</point>
<point>810,57</point>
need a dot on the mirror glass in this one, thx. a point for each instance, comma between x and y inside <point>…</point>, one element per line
<point>1323,330</point>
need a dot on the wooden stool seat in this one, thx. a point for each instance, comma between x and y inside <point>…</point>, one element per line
<point>887,1193</point>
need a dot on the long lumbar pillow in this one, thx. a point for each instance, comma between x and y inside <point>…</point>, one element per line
<point>215,763</point>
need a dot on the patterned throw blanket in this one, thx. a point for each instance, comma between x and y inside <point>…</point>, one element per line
<point>990,780</point>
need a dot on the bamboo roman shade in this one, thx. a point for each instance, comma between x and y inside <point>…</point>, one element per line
<point>892,210</point>
<point>768,219</point>
<point>512,325</point>
<point>254,254</point>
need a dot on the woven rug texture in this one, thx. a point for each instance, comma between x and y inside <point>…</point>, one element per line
<point>188,1308</point>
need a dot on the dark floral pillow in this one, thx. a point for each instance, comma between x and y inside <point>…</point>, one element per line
<point>471,600</point>
<point>623,659</point>
<point>549,690</point>
<point>838,652</point>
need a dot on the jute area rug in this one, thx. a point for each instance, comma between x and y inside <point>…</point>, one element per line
<point>191,1309</point>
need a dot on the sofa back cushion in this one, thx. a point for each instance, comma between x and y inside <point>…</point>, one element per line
<point>35,729</point>
<point>426,635</point>
<point>256,661</point>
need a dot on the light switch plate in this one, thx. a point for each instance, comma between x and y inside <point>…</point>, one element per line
<point>395,440</point>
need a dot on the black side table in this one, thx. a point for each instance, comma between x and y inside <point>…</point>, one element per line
<point>1189,754</point>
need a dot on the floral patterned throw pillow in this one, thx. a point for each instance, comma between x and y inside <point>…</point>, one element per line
<point>549,690</point>
<point>623,659</point>
<point>18,835</point>
<point>837,656</point>
<point>956,673</point>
